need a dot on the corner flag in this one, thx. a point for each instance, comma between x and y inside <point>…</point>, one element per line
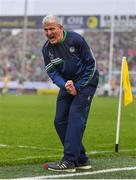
<point>128,98</point>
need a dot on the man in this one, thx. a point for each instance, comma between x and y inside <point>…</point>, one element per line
<point>70,64</point>
<point>6,79</point>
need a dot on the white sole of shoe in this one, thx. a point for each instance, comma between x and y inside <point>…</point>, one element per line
<point>84,167</point>
<point>64,170</point>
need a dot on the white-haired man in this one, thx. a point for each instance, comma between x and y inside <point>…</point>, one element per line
<point>70,64</point>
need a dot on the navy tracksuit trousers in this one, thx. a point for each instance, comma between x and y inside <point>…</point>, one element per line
<point>70,121</point>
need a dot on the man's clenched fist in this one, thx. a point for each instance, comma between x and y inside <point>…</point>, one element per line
<point>70,87</point>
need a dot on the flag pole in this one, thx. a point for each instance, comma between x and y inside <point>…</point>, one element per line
<point>119,108</point>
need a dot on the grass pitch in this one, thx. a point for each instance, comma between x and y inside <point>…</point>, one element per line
<point>28,138</point>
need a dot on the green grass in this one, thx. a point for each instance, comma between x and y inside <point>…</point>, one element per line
<point>28,137</point>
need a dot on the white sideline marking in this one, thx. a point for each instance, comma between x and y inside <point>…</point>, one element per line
<point>35,157</point>
<point>52,149</point>
<point>4,145</point>
<point>102,152</point>
<point>32,157</point>
<point>79,174</point>
<point>29,147</point>
<point>59,149</point>
<point>40,148</point>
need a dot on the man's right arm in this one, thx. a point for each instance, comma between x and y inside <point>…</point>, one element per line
<point>52,72</point>
<point>56,78</point>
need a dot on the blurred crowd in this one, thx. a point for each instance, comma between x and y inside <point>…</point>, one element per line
<point>124,44</point>
<point>17,62</point>
<point>28,63</point>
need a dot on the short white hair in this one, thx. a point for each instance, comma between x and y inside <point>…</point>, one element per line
<point>52,19</point>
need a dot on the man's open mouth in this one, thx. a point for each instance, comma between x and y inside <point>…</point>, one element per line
<point>51,38</point>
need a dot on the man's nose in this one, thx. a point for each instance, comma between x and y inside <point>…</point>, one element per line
<point>48,32</point>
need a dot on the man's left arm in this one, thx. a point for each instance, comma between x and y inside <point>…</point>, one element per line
<point>90,66</point>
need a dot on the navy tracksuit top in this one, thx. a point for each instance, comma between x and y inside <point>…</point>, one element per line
<point>70,59</point>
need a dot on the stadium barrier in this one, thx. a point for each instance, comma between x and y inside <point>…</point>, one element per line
<point>44,91</point>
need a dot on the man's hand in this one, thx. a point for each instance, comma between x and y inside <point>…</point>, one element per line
<point>69,84</point>
<point>70,87</point>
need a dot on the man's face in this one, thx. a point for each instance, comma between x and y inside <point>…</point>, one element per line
<point>54,32</point>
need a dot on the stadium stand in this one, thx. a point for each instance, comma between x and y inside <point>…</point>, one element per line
<point>11,55</point>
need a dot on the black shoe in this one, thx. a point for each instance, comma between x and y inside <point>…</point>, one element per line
<point>86,165</point>
<point>62,166</point>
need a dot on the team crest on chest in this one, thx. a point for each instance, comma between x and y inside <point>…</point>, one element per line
<point>72,49</point>
<point>51,56</point>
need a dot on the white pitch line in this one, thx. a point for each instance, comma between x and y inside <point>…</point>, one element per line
<point>79,174</point>
<point>36,157</point>
<point>33,157</point>
<point>4,145</point>
<point>58,155</point>
<point>29,147</point>
<point>59,149</point>
<point>40,148</point>
<point>102,152</point>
